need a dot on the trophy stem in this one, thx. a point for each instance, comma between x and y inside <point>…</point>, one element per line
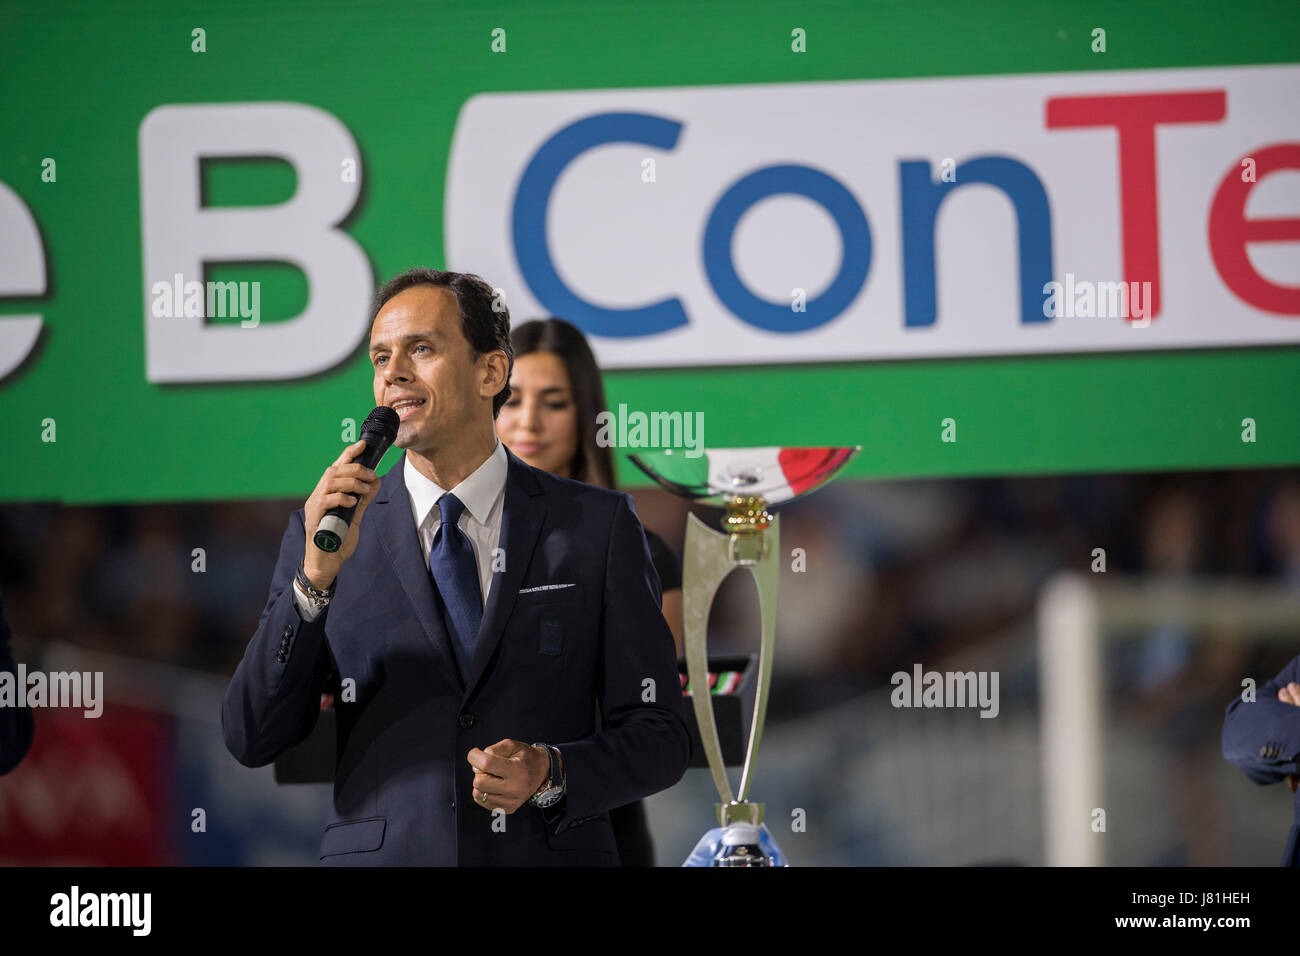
<point>752,543</point>
<point>766,575</point>
<point>705,565</point>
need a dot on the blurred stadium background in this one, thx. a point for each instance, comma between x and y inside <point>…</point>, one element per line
<point>947,573</point>
<point>1076,434</point>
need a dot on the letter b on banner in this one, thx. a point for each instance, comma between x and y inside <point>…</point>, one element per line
<point>181,236</point>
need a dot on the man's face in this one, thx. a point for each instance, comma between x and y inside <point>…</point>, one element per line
<point>425,370</point>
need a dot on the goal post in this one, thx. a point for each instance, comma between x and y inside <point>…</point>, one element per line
<point>1076,615</point>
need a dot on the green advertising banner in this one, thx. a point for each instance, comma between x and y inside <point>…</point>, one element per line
<point>973,238</point>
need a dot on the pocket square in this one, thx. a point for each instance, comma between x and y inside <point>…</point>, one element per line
<point>546,587</point>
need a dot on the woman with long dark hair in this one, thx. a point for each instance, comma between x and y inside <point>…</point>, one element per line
<point>550,422</point>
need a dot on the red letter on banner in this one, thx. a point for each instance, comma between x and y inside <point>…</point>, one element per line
<point>1136,116</point>
<point>1230,230</point>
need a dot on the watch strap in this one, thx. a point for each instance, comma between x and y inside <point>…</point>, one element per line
<point>557,774</point>
<point>554,775</point>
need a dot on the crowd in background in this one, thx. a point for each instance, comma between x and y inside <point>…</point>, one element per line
<point>895,572</point>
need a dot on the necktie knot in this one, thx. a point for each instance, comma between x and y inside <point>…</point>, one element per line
<point>451,509</point>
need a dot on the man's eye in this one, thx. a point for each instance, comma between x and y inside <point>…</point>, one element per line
<point>425,347</point>
<point>380,360</point>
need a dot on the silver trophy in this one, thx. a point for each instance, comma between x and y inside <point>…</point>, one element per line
<point>744,481</point>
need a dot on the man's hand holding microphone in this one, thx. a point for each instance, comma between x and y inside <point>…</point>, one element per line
<point>332,514</point>
<point>345,483</point>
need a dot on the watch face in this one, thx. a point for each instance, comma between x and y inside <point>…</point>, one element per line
<point>549,797</point>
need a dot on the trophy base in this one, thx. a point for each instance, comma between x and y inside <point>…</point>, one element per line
<point>741,845</point>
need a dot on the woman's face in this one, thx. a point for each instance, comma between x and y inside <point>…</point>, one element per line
<point>540,422</point>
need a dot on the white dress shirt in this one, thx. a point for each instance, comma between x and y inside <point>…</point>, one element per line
<point>483,495</point>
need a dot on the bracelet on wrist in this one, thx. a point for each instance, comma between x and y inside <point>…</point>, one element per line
<point>315,593</point>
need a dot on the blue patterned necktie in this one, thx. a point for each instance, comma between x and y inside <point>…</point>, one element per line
<point>455,575</point>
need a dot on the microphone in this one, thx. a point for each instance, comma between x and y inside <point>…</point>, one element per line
<point>379,431</point>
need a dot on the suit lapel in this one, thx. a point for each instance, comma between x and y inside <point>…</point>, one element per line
<point>392,511</point>
<point>522,515</point>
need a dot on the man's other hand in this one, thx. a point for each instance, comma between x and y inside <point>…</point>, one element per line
<point>507,774</point>
<point>1289,694</point>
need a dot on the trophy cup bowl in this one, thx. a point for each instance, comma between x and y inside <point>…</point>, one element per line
<point>743,481</point>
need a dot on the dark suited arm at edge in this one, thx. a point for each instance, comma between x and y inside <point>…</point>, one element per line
<point>16,724</point>
<point>1250,727</point>
<point>273,700</point>
<point>644,747</point>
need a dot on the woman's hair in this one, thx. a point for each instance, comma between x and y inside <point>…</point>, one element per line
<point>592,463</point>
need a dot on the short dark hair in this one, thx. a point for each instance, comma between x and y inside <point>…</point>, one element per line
<point>593,463</point>
<point>484,319</point>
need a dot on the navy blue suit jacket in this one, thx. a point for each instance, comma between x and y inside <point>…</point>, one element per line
<point>548,665</point>
<point>1262,737</point>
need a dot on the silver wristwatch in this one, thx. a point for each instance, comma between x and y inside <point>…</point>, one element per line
<point>554,787</point>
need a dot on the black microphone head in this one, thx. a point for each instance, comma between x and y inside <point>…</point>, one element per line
<point>381,423</point>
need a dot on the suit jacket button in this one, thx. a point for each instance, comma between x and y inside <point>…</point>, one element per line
<point>287,632</point>
<point>466,719</point>
<point>1263,751</point>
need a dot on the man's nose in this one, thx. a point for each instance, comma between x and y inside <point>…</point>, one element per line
<point>396,371</point>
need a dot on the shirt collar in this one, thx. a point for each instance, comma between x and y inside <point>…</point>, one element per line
<point>478,492</point>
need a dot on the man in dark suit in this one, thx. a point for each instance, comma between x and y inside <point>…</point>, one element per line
<point>1262,737</point>
<point>473,628</point>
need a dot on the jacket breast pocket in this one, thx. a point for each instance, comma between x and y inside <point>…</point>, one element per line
<point>353,836</point>
<point>545,616</point>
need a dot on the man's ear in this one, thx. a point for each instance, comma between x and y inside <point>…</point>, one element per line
<point>496,372</point>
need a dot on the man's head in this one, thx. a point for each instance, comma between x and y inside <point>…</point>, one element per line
<point>436,339</point>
